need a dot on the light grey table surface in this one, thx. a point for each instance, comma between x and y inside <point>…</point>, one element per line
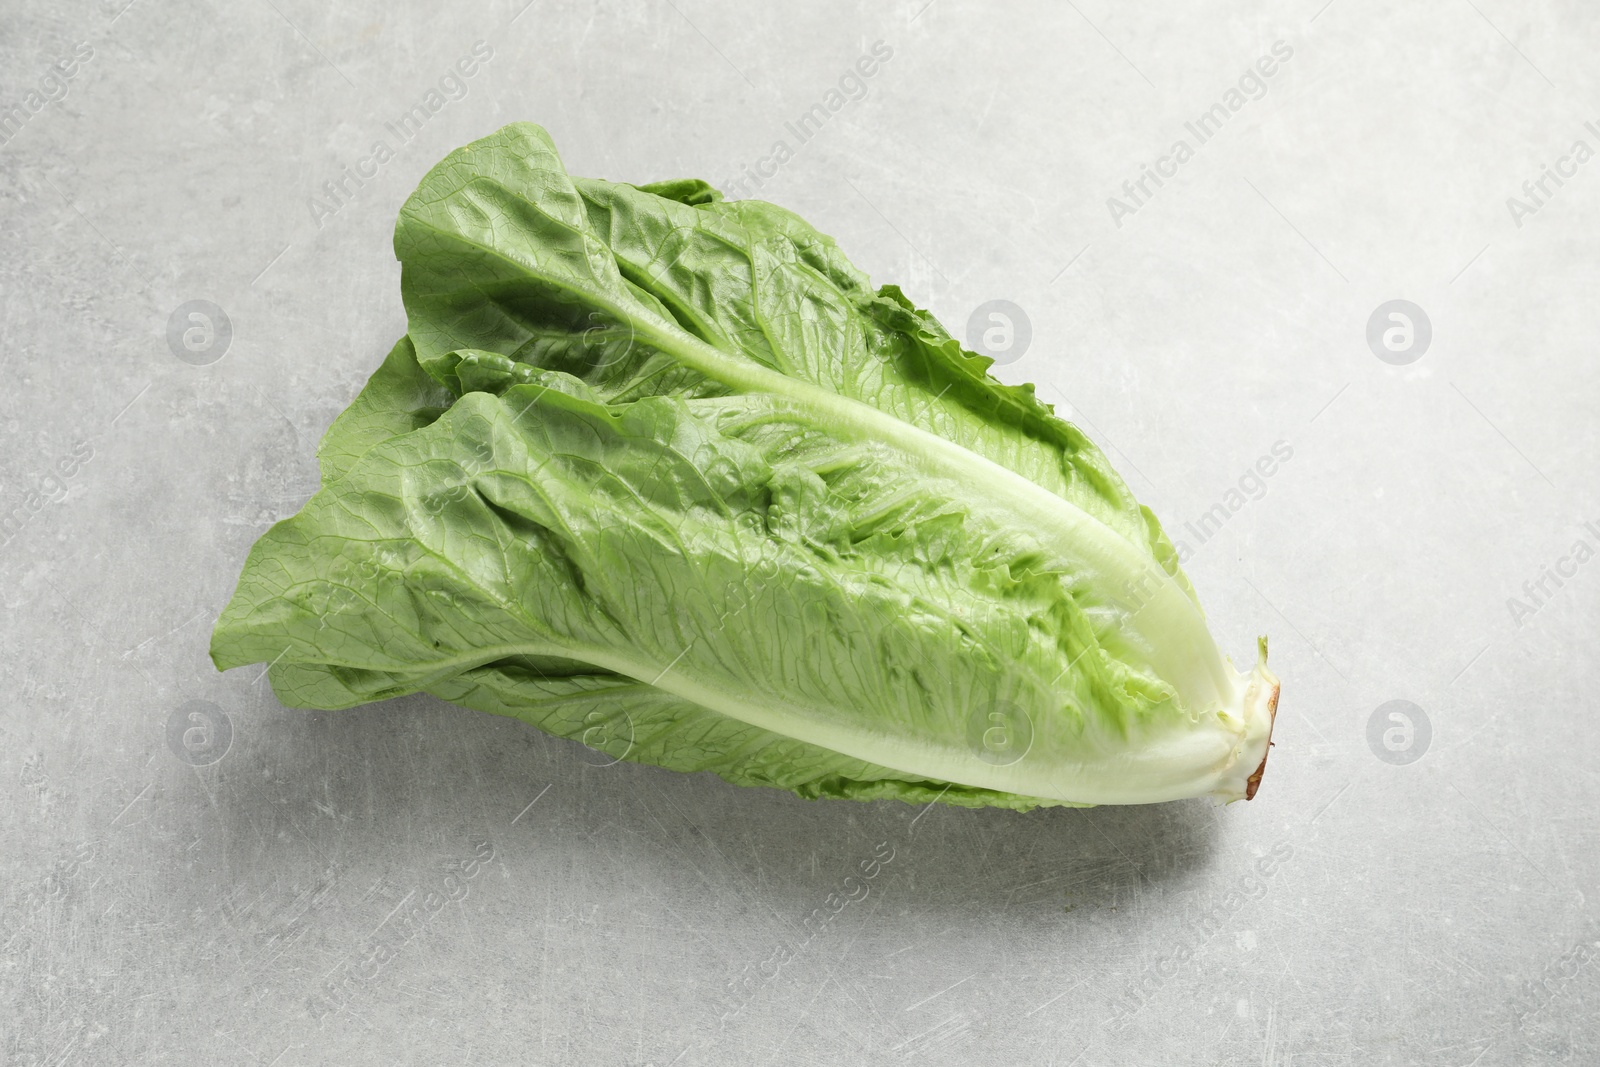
<point>1408,890</point>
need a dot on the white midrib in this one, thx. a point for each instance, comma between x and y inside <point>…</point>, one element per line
<point>1174,762</point>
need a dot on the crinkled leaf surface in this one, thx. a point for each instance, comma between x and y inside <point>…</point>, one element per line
<point>663,473</point>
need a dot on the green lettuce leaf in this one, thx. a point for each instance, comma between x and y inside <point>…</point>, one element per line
<point>663,473</point>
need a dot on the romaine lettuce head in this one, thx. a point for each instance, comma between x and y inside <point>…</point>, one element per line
<point>663,473</point>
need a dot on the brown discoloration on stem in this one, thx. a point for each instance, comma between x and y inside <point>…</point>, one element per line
<point>1254,781</point>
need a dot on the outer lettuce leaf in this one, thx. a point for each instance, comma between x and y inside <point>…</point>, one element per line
<point>656,461</point>
<point>398,398</point>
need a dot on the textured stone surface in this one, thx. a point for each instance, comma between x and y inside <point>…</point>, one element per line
<point>168,901</point>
